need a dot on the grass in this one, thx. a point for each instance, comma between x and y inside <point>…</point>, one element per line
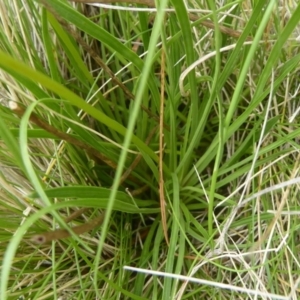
<point>175,136</point>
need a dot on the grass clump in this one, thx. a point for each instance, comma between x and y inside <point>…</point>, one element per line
<point>161,136</point>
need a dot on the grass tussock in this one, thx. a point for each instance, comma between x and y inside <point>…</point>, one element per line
<point>163,138</point>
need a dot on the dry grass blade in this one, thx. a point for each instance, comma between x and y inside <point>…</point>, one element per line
<point>161,149</point>
<point>59,234</point>
<point>151,3</point>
